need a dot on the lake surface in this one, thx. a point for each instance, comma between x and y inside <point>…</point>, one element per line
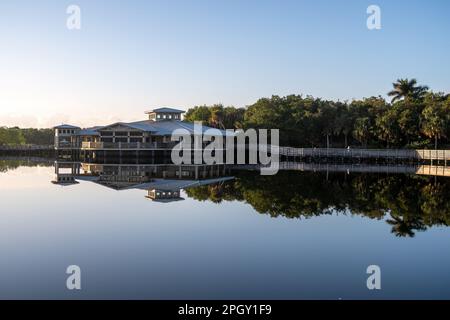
<point>297,235</point>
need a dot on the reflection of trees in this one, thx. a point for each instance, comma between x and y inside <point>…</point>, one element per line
<point>215,193</point>
<point>408,203</point>
<point>8,164</point>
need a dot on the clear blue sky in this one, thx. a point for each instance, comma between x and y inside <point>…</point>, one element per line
<point>130,56</point>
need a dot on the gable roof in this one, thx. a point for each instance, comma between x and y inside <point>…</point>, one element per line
<point>165,110</point>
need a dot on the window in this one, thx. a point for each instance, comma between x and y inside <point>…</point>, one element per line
<point>106,133</point>
<point>164,116</point>
<point>170,116</point>
<point>135,139</point>
<point>121,133</point>
<point>121,139</point>
<point>135,133</point>
<point>158,116</point>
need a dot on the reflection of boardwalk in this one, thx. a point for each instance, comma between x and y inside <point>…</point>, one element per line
<point>408,169</point>
<point>380,154</point>
<point>434,171</point>
<point>357,168</point>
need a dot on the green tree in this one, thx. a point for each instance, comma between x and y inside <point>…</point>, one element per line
<point>388,128</point>
<point>198,113</point>
<point>409,120</point>
<point>11,136</point>
<point>435,123</point>
<point>361,131</point>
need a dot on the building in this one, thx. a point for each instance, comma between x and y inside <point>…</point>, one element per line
<point>156,129</point>
<point>135,142</point>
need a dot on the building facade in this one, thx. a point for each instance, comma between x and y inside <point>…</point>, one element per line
<point>147,141</point>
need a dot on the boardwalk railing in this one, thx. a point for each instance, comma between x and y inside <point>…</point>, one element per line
<point>433,154</point>
<point>401,154</point>
<point>25,147</point>
<point>366,153</point>
<point>127,145</point>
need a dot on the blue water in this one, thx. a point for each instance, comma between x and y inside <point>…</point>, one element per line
<point>128,246</point>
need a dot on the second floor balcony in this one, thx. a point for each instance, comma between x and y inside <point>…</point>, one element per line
<point>127,145</point>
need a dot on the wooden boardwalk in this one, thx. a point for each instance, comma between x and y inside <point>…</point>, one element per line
<point>27,150</point>
<point>382,154</point>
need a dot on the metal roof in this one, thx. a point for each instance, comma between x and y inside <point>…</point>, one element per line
<point>66,126</point>
<point>89,132</point>
<point>161,128</point>
<point>173,185</point>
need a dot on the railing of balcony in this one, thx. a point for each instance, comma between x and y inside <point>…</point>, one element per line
<point>128,145</point>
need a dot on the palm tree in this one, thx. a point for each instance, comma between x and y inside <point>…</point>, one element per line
<point>407,89</point>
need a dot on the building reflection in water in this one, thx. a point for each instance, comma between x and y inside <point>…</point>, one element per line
<point>163,182</point>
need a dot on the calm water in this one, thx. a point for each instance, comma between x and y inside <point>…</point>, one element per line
<point>292,236</point>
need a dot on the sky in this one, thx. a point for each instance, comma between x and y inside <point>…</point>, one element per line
<point>132,56</point>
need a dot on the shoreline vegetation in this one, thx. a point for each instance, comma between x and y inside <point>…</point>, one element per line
<point>415,118</point>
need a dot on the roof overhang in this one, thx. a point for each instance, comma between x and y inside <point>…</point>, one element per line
<point>165,110</point>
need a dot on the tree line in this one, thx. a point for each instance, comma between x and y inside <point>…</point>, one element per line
<point>415,118</point>
<point>18,136</point>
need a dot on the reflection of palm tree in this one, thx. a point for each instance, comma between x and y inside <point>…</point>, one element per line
<point>407,89</point>
<point>402,227</point>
